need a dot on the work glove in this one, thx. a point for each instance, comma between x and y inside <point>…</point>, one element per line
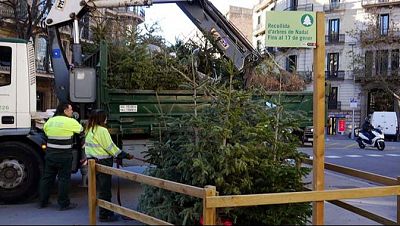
<point>129,156</point>
<point>124,155</point>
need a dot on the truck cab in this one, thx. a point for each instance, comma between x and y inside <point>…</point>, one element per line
<point>17,85</point>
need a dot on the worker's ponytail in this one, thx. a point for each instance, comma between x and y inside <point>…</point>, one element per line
<point>96,118</point>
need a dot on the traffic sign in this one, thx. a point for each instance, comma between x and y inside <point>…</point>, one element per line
<point>291,29</point>
<point>353,103</point>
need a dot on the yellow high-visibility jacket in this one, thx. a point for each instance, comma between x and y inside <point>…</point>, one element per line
<point>60,130</point>
<point>98,144</point>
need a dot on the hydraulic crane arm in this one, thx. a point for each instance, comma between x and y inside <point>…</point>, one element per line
<point>231,43</point>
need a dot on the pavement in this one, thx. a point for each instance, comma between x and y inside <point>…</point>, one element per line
<point>28,213</point>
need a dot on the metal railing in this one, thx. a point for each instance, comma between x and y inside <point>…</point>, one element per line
<point>334,105</point>
<point>377,34</point>
<point>333,6</point>
<point>303,7</point>
<point>372,3</point>
<point>132,11</point>
<point>335,75</point>
<point>6,12</point>
<point>306,75</point>
<point>335,38</point>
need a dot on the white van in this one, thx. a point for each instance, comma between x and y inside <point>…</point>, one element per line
<point>387,122</point>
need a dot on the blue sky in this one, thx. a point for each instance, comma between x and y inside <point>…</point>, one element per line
<point>174,23</point>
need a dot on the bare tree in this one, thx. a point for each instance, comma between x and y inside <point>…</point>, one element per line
<point>25,16</point>
<point>376,43</point>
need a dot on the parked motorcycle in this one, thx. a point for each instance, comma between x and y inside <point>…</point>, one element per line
<point>377,140</point>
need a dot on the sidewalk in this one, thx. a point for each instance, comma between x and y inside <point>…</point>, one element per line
<point>29,214</point>
<point>383,206</point>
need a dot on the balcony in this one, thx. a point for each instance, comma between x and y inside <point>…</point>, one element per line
<point>334,105</point>
<point>137,13</point>
<point>306,75</point>
<point>334,6</point>
<point>379,3</point>
<point>374,35</point>
<point>263,5</point>
<point>6,12</point>
<point>334,75</point>
<point>335,38</point>
<point>303,7</point>
<point>260,29</point>
<point>370,75</point>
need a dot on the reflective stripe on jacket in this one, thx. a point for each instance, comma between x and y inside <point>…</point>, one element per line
<point>59,131</point>
<point>98,144</point>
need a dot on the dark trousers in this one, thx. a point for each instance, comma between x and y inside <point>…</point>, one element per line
<point>103,185</point>
<point>56,164</point>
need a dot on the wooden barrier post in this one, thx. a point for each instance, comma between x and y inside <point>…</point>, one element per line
<point>398,204</point>
<point>319,119</point>
<point>92,200</point>
<point>209,214</point>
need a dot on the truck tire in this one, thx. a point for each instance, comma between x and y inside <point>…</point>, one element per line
<point>19,172</point>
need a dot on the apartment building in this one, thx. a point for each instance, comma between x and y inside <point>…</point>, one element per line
<point>129,17</point>
<point>242,18</point>
<point>362,54</point>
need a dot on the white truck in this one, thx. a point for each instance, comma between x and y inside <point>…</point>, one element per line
<point>387,122</point>
<point>22,144</point>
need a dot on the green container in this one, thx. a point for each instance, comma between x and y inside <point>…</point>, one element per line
<point>133,112</point>
<point>296,102</point>
<point>140,111</point>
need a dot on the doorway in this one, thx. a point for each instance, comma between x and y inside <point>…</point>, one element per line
<point>332,126</point>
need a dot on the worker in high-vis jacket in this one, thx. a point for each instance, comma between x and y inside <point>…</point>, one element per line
<point>99,146</point>
<point>59,130</point>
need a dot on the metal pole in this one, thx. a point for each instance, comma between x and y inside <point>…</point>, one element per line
<point>352,126</point>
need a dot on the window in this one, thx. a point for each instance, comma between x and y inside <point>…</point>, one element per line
<point>293,5</point>
<point>335,4</point>
<point>333,30</point>
<point>291,63</point>
<point>395,61</point>
<point>332,98</point>
<point>40,101</point>
<point>85,28</point>
<point>259,45</point>
<point>5,65</point>
<point>42,60</point>
<point>384,24</point>
<point>258,20</point>
<point>381,62</point>
<point>333,64</point>
<point>369,62</point>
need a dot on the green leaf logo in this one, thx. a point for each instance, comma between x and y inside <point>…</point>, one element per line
<point>307,20</point>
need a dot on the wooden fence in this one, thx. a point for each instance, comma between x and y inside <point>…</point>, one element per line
<point>209,217</point>
<point>211,200</point>
<point>375,178</point>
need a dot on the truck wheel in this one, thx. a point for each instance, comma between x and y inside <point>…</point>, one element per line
<point>19,172</point>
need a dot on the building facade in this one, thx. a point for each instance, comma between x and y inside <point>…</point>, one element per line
<point>242,18</point>
<point>362,54</point>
